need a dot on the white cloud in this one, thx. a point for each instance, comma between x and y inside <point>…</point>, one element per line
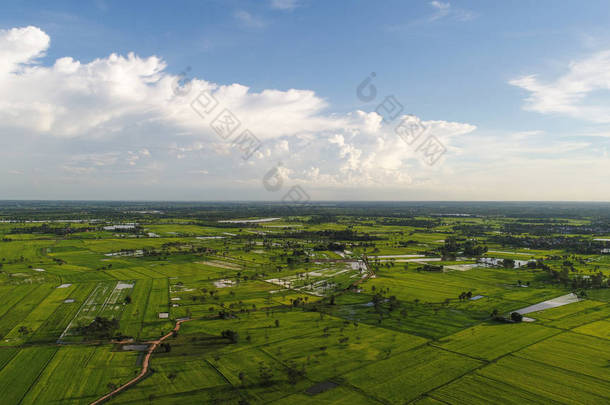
<point>21,46</point>
<point>249,20</point>
<point>120,122</point>
<point>444,9</point>
<point>284,4</point>
<point>572,93</point>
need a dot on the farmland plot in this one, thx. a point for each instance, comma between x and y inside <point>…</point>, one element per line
<point>489,341</point>
<point>547,381</point>
<point>413,373</point>
<point>22,371</point>
<point>106,300</point>
<point>80,374</point>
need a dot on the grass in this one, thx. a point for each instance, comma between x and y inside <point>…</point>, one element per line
<point>565,310</point>
<point>573,352</point>
<point>478,389</point>
<point>39,315</point>
<point>336,396</point>
<point>79,375</point>
<point>413,373</point>
<point>599,328</point>
<point>583,317</point>
<point>549,382</point>
<point>59,320</point>
<point>248,362</point>
<point>133,314</point>
<point>22,371</point>
<point>173,381</point>
<point>22,308</point>
<point>492,340</point>
<point>332,351</point>
<point>424,345</point>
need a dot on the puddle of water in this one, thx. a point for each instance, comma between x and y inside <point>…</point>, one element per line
<point>224,283</point>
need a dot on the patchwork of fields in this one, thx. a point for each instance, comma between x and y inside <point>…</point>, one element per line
<point>295,311</point>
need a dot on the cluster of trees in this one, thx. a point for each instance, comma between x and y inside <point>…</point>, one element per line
<point>100,328</point>
<point>431,267</point>
<point>384,304</point>
<point>266,374</point>
<point>405,243</point>
<point>321,219</point>
<point>573,244</point>
<point>468,247</point>
<point>49,229</point>
<point>552,228</point>
<point>232,335</point>
<point>576,281</point>
<point>508,263</point>
<point>465,296</point>
<point>329,234</point>
<point>472,230</point>
<point>513,317</point>
<point>173,248</point>
<point>414,222</point>
<point>595,281</point>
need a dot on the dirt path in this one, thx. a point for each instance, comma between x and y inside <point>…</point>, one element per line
<point>153,345</point>
<point>370,273</point>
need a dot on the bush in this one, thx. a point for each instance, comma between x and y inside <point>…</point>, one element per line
<point>230,334</point>
<point>516,317</point>
<point>100,328</point>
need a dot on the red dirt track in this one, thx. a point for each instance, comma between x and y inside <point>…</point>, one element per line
<point>153,345</point>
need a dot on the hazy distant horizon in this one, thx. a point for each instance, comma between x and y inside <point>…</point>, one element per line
<point>310,202</point>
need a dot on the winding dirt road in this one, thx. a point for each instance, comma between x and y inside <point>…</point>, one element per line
<point>153,345</point>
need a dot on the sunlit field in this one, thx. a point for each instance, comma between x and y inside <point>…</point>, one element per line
<point>332,310</point>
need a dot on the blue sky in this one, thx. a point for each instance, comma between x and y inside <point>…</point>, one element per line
<point>483,77</point>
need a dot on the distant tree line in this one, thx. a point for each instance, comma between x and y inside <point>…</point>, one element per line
<point>469,247</point>
<point>572,244</point>
<point>50,229</point>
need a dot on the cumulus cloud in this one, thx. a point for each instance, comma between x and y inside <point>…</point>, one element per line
<point>21,46</point>
<point>119,115</point>
<point>572,94</point>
